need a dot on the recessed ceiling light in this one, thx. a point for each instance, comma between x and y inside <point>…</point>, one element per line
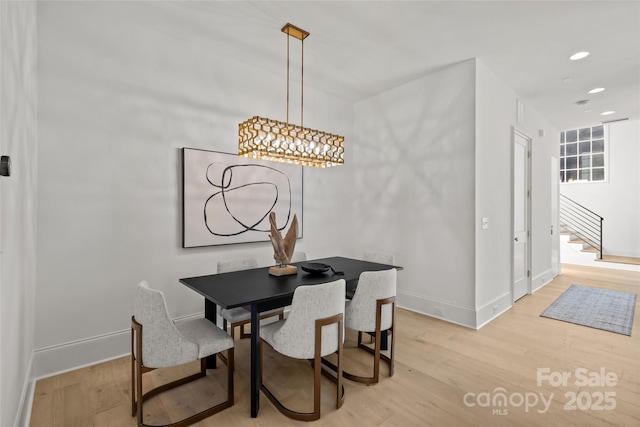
<point>596,90</point>
<point>606,113</point>
<point>587,111</point>
<point>567,80</point>
<point>578,55</point>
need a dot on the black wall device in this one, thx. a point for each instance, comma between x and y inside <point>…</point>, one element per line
<point>5,166</point>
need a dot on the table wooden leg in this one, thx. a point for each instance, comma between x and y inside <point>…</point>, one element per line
<point>211,313</point>
<point>255,363</point>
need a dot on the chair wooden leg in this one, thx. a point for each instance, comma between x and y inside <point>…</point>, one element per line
<point>391,360</point>
<point>317,372</point>
<point>133,376</point>
<point>230,371</point>
<point>339,387</point>
<point>376,351</point>
<point>138,369</point>
<point>243,332</point>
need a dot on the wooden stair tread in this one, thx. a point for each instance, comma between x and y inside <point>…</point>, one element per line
<point>620,259</point>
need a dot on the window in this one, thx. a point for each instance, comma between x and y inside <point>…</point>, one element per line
<point>582,155</point>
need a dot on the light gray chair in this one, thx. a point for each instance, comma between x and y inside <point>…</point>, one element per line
<point>298,256</point>
<point>157,342</point>
<point>372,310</point>
<point>379,257</point>
<point>240,316</point>
<point>313,329</point>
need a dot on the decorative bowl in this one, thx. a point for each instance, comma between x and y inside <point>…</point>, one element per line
<point>315,267</point>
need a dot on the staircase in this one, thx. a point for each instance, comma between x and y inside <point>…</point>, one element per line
<point>582,225</point>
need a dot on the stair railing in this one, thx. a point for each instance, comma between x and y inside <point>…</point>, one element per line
<point>581,222</point>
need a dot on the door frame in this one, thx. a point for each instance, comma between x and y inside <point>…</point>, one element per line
<point>556,266</point>
<point>516,131</point>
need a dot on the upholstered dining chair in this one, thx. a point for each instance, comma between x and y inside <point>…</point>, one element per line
<point>298,256</point>
<point>372,311</point>
<point>313,329</point>
<point>379,257</point>
<point>157,342</point>
<point>372,256</point>
<point>240,316</point>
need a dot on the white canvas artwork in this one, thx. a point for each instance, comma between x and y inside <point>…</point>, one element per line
<point>227,199</point>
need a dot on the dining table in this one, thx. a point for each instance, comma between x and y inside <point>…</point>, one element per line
<point>257,289</point>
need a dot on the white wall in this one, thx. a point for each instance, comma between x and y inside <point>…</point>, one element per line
<point>433,158</point>
<point>618,199</point>
<point>414,161</point>
<point>123,86</point>
<point>18,139</point>
<point>496,115</point>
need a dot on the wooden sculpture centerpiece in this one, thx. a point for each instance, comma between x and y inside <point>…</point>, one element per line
<point>283,248</point>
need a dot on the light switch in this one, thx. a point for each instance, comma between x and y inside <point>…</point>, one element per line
<point>485,223</point>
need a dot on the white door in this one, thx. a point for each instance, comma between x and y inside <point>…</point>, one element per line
<point>521,198</point>
<point>555,221</point>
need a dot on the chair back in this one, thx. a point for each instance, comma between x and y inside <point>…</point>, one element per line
<point>162,344</point>
<point>379,257</point>
<point>298,256</point>
<point>360,313</point>
<point>238,264</point>
<point>296,337</point>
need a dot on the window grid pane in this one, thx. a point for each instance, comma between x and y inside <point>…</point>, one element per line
<point>585,134</point>
<point>582,154</point>
<point>598,174</point>
<point>598,146</point>
<point>585,161</point>
<point>585,147</point>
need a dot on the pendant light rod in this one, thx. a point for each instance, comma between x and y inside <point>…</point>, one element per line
<point>302,84</point>
<point>292,31</point>
<point>288,77</point>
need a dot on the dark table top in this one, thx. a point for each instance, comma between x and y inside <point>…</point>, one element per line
<point>257,286</point>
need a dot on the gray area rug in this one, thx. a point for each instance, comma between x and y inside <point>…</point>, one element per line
<point>594,307</point>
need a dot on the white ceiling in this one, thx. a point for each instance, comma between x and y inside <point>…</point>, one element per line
<point>360,48</point>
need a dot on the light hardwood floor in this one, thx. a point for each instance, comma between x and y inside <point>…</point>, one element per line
<point>441,371</point>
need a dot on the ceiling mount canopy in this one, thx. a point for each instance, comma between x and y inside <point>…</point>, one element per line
<point>269,139</point>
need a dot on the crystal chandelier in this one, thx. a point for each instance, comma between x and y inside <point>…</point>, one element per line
<point>268,139</point>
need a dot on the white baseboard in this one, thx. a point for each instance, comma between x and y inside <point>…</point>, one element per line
<point>453,313</point>
<point>491,310</point>
<point>463,316</point>
<point>538,281</point>
<point>23,415</point>
<point>69,356</point>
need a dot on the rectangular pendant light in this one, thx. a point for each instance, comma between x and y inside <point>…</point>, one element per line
<point>268,139</point>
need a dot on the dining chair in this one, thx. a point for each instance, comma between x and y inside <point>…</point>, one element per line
<point>298,256</point>
<point>372,311</point>
<point>240,316</point>
<point>379,257</point>
<point>158,342</point>
<point>313,329</point>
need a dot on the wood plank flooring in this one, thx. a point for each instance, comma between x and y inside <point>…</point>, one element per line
<point>446,375</point>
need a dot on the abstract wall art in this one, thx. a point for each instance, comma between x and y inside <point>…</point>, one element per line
<point>227,199</point>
